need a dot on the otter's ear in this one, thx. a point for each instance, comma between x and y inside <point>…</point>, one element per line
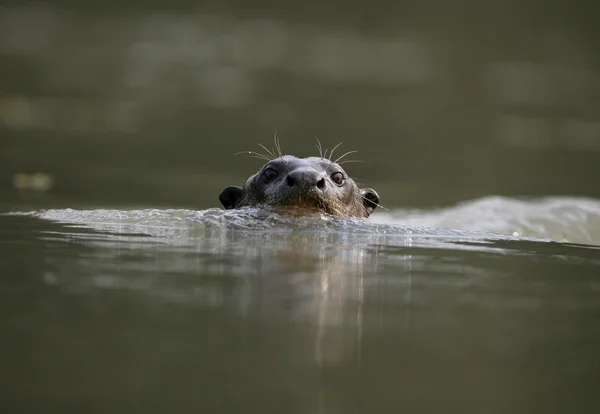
<point>370,200</point>
<point>230,197</point>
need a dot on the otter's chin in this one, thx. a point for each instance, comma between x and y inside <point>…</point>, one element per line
<point>296,211</point>
<point>304,205</point>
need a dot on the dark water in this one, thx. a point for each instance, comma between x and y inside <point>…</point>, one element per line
<point>161,311</point>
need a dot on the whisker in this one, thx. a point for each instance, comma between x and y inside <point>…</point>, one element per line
<point>277,143</point>
<point>334,148</point>
<point>347,161</point>
<point>325,153</point>
<point>343,155</point>
<point>252,154</point>
<point>260,157</point>
<point>319,147</point>
<point>268,151</point>
<point>371,201</point>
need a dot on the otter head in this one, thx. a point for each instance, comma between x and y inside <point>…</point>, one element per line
<point>303,184</point>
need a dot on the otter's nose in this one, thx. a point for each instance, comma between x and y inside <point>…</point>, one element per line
<point>305,179</point>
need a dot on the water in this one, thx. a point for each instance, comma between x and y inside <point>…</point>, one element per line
<point>222,311</point>
<point>122,289</point>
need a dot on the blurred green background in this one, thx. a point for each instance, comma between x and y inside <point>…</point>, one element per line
<point>116,104</point>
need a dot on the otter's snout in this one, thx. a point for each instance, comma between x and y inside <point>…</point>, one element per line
<point>305,179</point>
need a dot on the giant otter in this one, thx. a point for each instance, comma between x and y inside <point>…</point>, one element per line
<point>303,185</point>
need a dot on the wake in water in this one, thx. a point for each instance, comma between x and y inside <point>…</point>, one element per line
<point>562,219</point>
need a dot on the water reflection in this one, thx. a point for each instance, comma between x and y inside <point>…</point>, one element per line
<point>292,319</point>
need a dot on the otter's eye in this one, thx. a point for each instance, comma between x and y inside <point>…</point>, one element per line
<point>270,174</point>
<point>337,178</point>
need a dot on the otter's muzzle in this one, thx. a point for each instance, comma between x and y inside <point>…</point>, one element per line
<point>305,179</point>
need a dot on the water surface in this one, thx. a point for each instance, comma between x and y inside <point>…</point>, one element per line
<point>212,311</point>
